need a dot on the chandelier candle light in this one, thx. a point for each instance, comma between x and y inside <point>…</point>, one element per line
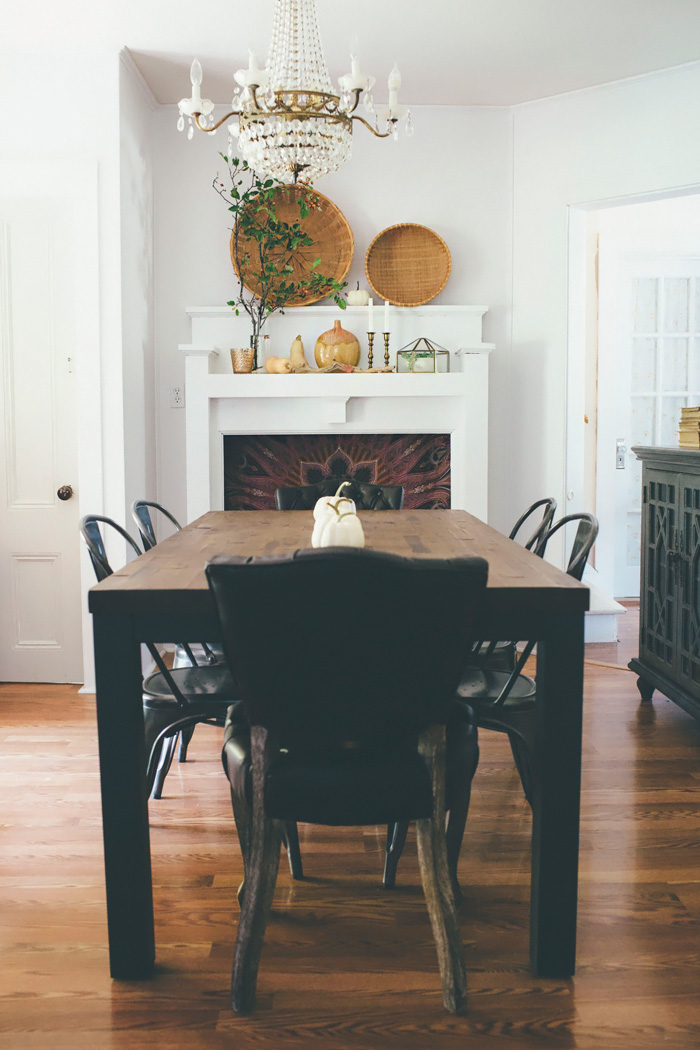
<point>291,122</point>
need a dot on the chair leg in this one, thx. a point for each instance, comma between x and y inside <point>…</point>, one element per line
<point>395,841</point>
<point>439,898</point>
<point>520,727</point>
<point>290,838</point>
<point>154,759</point>
<point>186,735</point>
<point>242,816</point>
<point>456,823</point>
<point>521,757</point>
<point>166,760</point>
<point>435,875</point>
<point>155,721</point>
<point>261,875</point>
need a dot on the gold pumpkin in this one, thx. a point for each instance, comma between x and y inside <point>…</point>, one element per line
<point>337,345</point>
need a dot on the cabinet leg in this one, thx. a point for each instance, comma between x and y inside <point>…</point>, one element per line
<point>646,689</point>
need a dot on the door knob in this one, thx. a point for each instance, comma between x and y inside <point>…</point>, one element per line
<point>620,449</point>
<point>65,492</point>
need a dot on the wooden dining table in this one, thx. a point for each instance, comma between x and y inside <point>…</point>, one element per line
<point>163,596</point>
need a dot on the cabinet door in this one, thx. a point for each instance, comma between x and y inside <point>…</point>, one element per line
<point>688,667</point>
<point>659,597</point>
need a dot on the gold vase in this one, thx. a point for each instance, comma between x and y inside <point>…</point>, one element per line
<point>337,345</point>
<point>242,358</point>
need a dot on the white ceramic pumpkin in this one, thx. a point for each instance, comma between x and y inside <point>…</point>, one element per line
<point>340,529</point>
<point>322,505</point>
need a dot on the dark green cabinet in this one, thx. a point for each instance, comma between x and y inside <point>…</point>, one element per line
<point>669,598</point>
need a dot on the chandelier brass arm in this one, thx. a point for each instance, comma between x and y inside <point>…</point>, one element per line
<point>213,127</point>
<point>291,115</point>
<point>377,134</point>
<point>318,105</point>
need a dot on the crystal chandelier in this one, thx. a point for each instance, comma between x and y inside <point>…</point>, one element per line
<point>291,123</point>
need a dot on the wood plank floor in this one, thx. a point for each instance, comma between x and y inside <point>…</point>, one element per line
<point>347,964</point>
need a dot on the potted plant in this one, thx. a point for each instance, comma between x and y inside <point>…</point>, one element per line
<point>263,246</point>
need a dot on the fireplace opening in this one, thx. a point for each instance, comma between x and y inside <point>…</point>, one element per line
<point>255,465</point>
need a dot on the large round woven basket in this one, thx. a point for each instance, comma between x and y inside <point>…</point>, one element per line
<point>328,228</point>
<point>407,264</point>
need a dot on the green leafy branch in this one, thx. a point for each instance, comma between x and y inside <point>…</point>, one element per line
<point>263,246</point>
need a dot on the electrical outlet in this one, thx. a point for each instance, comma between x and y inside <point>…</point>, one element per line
<point>177,397</point>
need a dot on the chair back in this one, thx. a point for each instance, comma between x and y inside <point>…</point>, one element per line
<point>584,539</point>
<point>346,647</point>
<point>140,511</point>
<point>536,540</point>
<point>90,531</point>
<point>366,496</point>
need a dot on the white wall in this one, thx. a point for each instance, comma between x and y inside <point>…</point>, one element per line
<point>624,140</point>
<point>453,175</point>
<point>136,212</point>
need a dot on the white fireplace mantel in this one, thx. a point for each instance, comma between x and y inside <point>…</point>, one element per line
<point>217,402</point>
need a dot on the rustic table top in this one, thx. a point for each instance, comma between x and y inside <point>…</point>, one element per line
<point>173,572</point>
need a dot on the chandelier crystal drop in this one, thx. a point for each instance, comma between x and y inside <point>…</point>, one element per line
<point>292,124</point>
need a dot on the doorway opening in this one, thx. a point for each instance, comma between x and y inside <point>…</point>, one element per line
<point>633,359</point>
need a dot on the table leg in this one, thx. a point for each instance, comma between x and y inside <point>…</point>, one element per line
<point>124,799</point>
<point>556,801</point>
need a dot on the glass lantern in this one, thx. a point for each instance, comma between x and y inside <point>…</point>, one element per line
<point>422,356</point>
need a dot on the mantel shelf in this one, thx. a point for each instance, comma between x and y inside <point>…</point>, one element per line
<point>325,308</point>
<point>336,385</point>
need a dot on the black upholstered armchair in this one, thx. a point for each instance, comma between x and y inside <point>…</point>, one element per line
<point>366,497</point>
<point>314,741</point>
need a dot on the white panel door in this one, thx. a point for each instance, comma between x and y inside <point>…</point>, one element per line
<point>40,610</point>
<point>648,369</point>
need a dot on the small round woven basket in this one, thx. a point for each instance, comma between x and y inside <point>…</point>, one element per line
<point>407,264</point>
<point>333,242</point>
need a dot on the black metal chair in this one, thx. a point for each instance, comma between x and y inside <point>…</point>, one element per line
<point>501,655</point>
<point>173,699</point>
<point>365,496</point>
<point>354,748</point>
<point>549,506</point>
<point>506,701</point>
<point>141,513</point>
<point>503,700</point>
<point>211,654</point>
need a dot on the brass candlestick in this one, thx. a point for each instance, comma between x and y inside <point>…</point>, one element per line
<point>370,352</point>
<point>386,348</point>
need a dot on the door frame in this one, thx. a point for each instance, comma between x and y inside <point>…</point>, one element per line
<point>77,183</point>
<point>578,344</point>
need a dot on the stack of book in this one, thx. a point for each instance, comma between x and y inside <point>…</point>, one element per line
<point>689,429</point>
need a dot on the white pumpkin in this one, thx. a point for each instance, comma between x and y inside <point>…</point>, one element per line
<point>322,505</point>
<point>358,297</point>
<point>341,529</point>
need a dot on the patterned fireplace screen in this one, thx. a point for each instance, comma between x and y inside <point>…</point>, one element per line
<point>255,465</point>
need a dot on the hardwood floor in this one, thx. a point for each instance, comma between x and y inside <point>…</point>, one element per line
<point>347,964</point>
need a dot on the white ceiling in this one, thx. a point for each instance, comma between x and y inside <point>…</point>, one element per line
<point>450,52</point>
